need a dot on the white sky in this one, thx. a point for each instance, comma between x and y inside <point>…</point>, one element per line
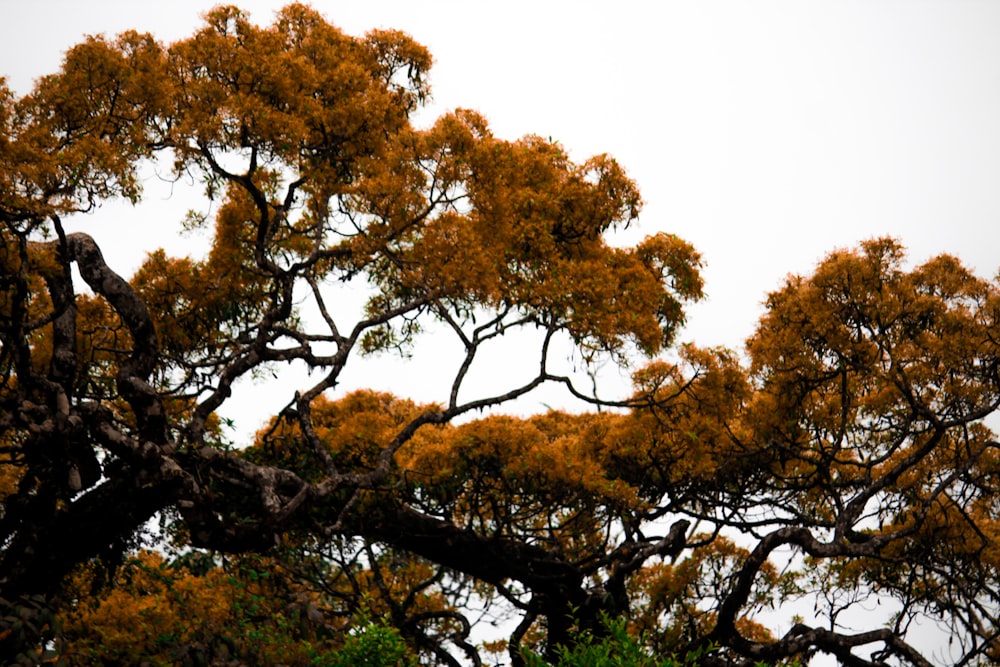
<point>766,133</point>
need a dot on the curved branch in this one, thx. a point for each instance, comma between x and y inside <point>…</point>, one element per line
<point>134,372</point>
<point>801,637</point>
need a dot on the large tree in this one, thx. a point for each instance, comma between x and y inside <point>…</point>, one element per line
<point>303,134</point>
<point>845,457</point>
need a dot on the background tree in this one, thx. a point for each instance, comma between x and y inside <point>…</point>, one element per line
<point>846,456</point>
<point>848,461</point>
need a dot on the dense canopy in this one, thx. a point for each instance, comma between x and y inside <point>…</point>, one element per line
<point>842,463</point>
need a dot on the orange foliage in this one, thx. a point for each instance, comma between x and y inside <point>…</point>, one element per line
<point>162,613</point>
<point>847,453</point>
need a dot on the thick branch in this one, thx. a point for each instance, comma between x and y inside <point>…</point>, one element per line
<point>134,372</point>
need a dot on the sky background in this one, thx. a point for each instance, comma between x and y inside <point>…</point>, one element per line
<point>765,133</point>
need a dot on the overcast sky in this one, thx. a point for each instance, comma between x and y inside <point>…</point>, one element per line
<point>766,133</point>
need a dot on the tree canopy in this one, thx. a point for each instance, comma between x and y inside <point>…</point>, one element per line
<point>844,459</point>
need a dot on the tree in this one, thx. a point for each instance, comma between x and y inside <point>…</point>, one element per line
<point>109,400</point>
<point>845,457</point>
<point>847,461</point>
